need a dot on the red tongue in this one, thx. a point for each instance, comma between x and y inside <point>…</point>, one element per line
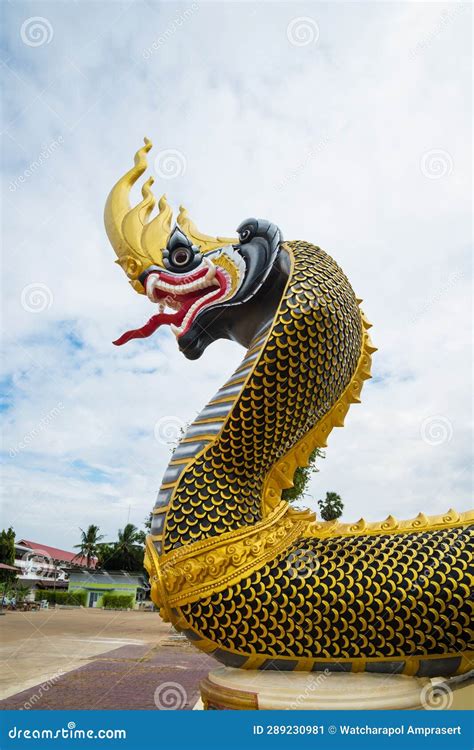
<point>158,320</point>
<point>142,333</point>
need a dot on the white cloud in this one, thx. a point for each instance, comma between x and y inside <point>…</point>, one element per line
<point>326,139</point>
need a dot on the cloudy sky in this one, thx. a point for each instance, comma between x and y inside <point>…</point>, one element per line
<point>345,123</point>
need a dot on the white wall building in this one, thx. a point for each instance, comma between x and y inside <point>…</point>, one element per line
<point>44,567</point>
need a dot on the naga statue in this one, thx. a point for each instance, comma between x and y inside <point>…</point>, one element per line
<point>246,577</point>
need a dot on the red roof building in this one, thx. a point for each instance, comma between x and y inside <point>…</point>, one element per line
<point>56,554</point>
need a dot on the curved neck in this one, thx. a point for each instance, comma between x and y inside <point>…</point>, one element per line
<point>279,392</point>
<point>250,317</point>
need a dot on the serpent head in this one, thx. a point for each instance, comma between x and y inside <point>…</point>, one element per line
<point>205,287</point>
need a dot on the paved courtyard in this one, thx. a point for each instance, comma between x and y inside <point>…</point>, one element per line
<point>96,659</point>
<point>99,659</point>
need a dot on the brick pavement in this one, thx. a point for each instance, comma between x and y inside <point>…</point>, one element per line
<point>131,677</point>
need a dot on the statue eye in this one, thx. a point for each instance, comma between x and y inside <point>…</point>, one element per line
<point>247,230</point>
<point>181,256</point>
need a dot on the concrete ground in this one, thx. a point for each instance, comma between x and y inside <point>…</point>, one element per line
<point>94,658</point>
<point>99,659</point>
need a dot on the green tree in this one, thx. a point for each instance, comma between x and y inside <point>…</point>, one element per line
<point>147,524</point>
<point>301,478</point>
<point>22,591</point>
<point>7,556</point>
<point>104,553</point>
<point>126,553</point>
<point>128,538</point>
<point>90,543</point>
<point>331,507</point>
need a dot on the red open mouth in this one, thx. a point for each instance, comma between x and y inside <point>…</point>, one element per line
<point>188,295</point>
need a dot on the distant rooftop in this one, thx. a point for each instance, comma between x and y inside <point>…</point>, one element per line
<point>55,553</point>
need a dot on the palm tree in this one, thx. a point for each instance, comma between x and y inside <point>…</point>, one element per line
<point>128,535</point>
<point>22,591</point>
<point>90,543</point>
<point>128,541</point>
<point>126,553</point>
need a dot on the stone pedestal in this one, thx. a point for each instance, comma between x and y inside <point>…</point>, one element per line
<point>241,689</point>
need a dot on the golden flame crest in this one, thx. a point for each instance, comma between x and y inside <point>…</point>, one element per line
<point>138,242</point>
